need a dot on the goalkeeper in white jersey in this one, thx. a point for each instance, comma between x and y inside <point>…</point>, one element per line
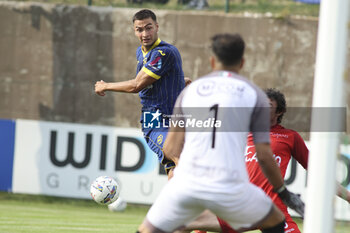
<point>217,111</point>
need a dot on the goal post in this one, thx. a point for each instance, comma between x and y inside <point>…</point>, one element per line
<point>328,91</point>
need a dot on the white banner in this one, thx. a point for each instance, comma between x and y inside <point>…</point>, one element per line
<point>62,159</point>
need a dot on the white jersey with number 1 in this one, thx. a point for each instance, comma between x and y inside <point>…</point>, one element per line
<point>214,158</point>
<point>211,173</point>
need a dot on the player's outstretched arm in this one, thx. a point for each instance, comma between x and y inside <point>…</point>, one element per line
<point>268,164</point>
<point>135,85</point>
<point>273,174</point>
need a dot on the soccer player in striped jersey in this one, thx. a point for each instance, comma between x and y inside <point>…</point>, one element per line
<point>159,80</point>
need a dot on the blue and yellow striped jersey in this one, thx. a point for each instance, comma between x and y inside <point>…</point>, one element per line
<point>162,62</point>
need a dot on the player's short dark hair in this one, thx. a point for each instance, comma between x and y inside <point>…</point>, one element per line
<point>277,96</point>
<point>228,48</point>
<point>144,14</point>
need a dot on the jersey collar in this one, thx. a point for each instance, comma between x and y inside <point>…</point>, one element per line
<point>277,126</point>
<point>153,46</point>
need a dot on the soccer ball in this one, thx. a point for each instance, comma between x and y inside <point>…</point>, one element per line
<point>118,206</point>
<point>104,190</point>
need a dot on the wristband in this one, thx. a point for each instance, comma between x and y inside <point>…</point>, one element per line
<point>281,189</point>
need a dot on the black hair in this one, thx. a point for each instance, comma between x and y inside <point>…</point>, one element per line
<point>277,96</point>
<point>228,48</point>
<point>144,14</point>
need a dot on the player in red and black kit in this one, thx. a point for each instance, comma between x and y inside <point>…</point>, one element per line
<point>285,143</point>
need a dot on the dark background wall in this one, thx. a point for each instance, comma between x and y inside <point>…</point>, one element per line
<point>51,56</point>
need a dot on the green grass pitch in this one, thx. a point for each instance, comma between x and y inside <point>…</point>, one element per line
<point>42,214</point>
<point>26,214</point>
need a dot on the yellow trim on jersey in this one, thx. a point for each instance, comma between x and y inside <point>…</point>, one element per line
<point>153,46</point>
<point>150,73</point>
<point>161,52</point>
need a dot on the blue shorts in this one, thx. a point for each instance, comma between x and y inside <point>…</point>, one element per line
<point>155,139</point>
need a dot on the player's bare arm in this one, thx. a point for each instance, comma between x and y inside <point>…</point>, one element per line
<point>174,143</point>
<point>343,193</point>
<point>268,165</point>
<point>135,85</point>
<point>273,174</point>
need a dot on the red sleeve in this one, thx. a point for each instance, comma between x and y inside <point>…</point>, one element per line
<point>300,151</point>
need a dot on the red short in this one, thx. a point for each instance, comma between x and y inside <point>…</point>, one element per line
<point>291,226</point>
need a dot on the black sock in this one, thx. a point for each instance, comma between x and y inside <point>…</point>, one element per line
<point>279,228</point>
